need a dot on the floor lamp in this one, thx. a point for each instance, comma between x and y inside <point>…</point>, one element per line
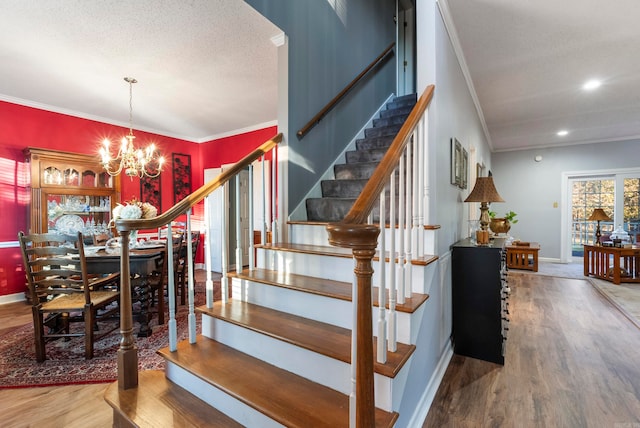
<point>484,192</point>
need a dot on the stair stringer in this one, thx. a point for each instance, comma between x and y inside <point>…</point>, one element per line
<point>299,213</point>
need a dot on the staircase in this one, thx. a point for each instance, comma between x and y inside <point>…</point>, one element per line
<point>339,194</point>
<point>278,353</point>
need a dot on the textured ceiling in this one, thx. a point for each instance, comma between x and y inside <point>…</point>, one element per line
<point>528,60</point>
<point>208,67</point>
<point>204,67</point>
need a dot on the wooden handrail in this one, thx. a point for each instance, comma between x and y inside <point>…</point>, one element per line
<point>352,232</point>
<point>181,207</point>
<point>326,109</point>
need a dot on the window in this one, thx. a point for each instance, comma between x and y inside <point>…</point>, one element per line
<point>588,194</point>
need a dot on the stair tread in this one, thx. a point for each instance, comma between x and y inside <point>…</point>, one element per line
<point>336,251</point>
<point>281,395</point>
<point>315,336</point>
<point>326,287</point>
<point>158,402</point>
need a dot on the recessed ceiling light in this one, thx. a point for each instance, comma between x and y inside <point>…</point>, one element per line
<point>562,133</point>
<point>590,85</point>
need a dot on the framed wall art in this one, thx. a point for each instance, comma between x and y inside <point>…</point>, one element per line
<point>465,169</point>
<point>456,162</point>
<point>181,176</point>
<point>151,191</point>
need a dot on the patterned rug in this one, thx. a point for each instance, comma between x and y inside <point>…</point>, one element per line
<point>66,365</point>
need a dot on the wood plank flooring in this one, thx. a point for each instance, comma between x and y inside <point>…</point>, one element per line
<point>572,360</point>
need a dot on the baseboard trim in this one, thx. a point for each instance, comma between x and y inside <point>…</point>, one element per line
<point>422,409</point>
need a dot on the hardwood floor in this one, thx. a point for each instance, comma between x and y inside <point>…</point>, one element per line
<point>572,360</point>
<point>73,406</point>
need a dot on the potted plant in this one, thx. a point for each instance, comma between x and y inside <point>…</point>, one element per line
<point>502,224</point>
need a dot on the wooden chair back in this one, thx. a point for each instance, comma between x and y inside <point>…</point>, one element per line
<point>54,264</point>
<point>59,286</point>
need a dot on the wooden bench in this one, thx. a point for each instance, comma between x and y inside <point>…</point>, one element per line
<point>523,256</point>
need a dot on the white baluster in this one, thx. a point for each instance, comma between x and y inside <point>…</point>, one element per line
<point>224,243</point>
<point>408,212</point>
<point>354,347</point>
<point>401,206</point>
<point>425,161</point>
<point>274,213</point>
<point>251,243</point>
<point>421,191</point>
<point>265,220</point>
<point>391,343</point>
<point>190,285</point>
<point>171,290</point>
<point>238,228</point>
<point>207,253</point>
<point>416,197</point>
<point>382,291</point>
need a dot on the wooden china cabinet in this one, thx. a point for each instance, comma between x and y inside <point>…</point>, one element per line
<point>70,192</point>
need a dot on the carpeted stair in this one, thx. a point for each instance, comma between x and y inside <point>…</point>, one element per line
<point>339,194</point>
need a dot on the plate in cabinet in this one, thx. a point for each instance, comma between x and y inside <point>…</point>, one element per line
<point>70,224</point>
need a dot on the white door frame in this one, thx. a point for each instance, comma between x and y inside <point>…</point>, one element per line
<point>565,197</point>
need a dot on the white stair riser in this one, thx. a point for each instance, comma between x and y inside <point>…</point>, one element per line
<point>320,308</point>
<point>320,266</point>
<point>310,234</point>
<point>230,406</point>
<point>310,365</point>
<point>316,234</point>
<point>333,267</point>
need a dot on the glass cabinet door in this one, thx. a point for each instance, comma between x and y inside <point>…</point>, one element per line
<point>70,214</point>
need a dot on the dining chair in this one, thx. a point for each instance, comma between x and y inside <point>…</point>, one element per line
<point>62,291</point>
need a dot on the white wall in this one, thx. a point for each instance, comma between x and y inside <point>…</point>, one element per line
<point>452,114</point>
<point>531,188</point>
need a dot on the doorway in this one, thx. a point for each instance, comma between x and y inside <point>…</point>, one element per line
<point>218,224</point>
<point>615,191</point>
<point>406,47</point>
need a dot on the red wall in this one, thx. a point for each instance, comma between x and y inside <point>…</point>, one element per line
<point>22,127</point>
<point>231,149</point>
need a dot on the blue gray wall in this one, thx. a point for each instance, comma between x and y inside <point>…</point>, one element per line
<point>327,48</point>
<point>531,188</point>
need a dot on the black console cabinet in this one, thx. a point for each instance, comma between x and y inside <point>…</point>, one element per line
<point>480,300</point>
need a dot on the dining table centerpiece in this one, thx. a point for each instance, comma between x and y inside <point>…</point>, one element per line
<point>132,210</point>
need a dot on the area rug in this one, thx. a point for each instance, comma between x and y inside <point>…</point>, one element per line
<point>626,297</point>
<point>66,365</point>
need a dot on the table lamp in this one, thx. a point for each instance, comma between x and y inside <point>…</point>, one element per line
<point>484,192</point>
<point>598,215</point>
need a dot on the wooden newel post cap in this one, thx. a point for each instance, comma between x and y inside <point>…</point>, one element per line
<point>354,236</point>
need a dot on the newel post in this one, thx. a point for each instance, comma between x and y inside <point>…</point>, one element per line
<point>128,352</point>
<point>362,239</point>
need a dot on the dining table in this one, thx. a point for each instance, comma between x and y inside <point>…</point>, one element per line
<point>144,261</point>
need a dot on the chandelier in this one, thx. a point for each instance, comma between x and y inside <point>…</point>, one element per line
<point>133,162</point>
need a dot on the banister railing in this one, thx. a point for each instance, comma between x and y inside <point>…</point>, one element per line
<point>127,354</point>
<point>353,232</point>
<point>331,104</point>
